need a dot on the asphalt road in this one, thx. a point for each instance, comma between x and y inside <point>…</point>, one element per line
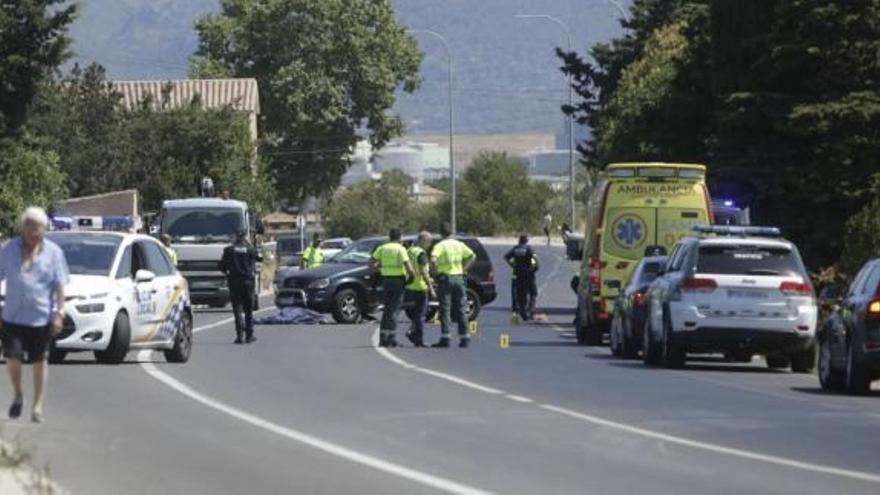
<point>318,409</point>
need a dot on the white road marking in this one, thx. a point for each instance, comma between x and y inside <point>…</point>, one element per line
<point>519,398</point>
<point>442,484</point>
<point>384,352</point>
<point>635,430</point>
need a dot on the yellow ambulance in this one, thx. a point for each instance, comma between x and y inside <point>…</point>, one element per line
<point>635,210</point>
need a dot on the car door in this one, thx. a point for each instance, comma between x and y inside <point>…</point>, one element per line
<point>665,285</point>
<point>843,316</point>
<point>857,305</point>
<point>167,287</point>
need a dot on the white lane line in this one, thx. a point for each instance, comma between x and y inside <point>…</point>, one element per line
<point>442,484</point>
<point>385,353</point>
<point>519,398</point>
<point>720,449</point>
<point>635,430</point>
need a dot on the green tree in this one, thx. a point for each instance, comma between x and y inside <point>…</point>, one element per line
<point>30,177</point>
<point>496,196</point>
<point>327,71</point>
<point>33,43</point>
<point>374,207</point>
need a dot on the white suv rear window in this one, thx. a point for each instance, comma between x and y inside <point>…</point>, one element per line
<point>749,260</point>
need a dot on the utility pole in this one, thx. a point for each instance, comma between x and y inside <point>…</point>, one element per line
<point>452,167</point>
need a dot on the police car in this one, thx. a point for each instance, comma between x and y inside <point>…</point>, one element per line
<point>735,290</point>
<point>124,294</point>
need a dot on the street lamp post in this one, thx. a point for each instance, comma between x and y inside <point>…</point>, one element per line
<point>571,179</point>
<point>452,168</point>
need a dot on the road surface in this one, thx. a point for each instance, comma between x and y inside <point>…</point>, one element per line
<point>319,409</point>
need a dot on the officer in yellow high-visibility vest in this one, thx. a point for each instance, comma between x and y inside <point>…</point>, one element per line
<point>392,261</point>
<point>416,297</point>
<point>312,257</point>
<point>451,259</point>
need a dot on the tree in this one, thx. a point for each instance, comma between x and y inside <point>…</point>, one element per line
<point>495,196</point>
<point>374,207</point>
<point>327,72</point>
<point>30,177</point>
<point>33,43</point>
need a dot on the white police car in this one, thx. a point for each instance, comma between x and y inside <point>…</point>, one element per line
<point>736,290</point>
<point>124,294</point>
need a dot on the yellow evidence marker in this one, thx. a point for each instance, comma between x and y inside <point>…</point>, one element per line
<point>472,327</point>
<point>504,341</point>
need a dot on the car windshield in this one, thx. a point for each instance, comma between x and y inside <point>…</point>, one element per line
<point>202,224</point>
<point>749,260</point>
<point>358,252</point>
<point>333,244</point>
<point>88,254</point>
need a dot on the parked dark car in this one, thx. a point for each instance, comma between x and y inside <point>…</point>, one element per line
<point>630,310</point>
<point>349,289</point>
<point>849,339</point>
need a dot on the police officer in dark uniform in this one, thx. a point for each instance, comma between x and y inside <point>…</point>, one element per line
<point>239,264</point>
<point>524,263</point>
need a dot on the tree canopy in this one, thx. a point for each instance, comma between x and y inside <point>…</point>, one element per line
<point>328,71</point>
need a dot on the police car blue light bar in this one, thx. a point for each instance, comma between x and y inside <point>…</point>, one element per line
<point>738,230</point>
<point>111,223</point>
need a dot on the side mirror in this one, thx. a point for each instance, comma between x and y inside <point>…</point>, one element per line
<point>144,276</point>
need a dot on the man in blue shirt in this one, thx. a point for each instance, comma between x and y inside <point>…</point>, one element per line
<point>35,272</point>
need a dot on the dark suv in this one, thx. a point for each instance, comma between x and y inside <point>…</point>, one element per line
<point>348,288</point>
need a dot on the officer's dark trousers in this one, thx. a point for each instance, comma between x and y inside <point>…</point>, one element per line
<point>453,297</point>
<point>416,310</point>
<point>392,295</point>
<point>526,295</point>
<point>242,295</point>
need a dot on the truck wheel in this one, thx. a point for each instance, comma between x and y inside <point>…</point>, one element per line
<point>858,379</point>
<point>804,361</point>
<point>346,306</point>
<point>579,330</point>
<point>182,342</point>
<point>830,378</point>
<point>119,342</point>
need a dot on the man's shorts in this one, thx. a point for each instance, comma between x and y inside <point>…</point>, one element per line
<point>19,340</point>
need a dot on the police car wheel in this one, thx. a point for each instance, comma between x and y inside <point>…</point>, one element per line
<point>56,356</point>
<point>182,342</point>
<point>346,306</point>
<point>777,361</point>
<point>804,361</point>
<point>119,342</point>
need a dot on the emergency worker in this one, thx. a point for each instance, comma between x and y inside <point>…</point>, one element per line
<point>417,291</point>
<point>172,254</point>
<point>392,261</point>
<point>239,264</point>
<point>450,260</point>
<point>313,256</point>
<point>524,264</point>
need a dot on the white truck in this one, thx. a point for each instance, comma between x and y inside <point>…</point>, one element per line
<point>200,228</point>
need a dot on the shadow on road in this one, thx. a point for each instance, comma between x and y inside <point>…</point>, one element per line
<point>820,391</point>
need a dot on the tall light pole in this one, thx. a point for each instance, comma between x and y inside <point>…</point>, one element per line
<point>571,179</point>
<point>452,168</point>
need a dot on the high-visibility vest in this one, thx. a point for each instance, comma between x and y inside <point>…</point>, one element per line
<point>450,255</point>
<point>392,257</point>
<point>313,257</point>
<point>418,283</point>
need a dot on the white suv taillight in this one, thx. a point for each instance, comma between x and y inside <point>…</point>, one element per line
<point>698,284</point>
<point>794,288</point>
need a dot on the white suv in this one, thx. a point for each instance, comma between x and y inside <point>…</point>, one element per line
<point>736,290</point>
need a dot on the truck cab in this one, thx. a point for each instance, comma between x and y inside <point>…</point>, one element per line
<point>200,228</point>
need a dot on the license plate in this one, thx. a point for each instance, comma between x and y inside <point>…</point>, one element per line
<point>746,294</point>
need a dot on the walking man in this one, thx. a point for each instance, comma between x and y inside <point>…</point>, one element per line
<point>36,272</point>
<point>524,263</point>
<point>392,261</point>
<point>312,257</point>
<point>417,291</point>
<point>239,264</point>
<point>547,224</point>
<point>451,259</point>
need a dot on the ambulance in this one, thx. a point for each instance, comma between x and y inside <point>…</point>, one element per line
<point>635,210</point>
